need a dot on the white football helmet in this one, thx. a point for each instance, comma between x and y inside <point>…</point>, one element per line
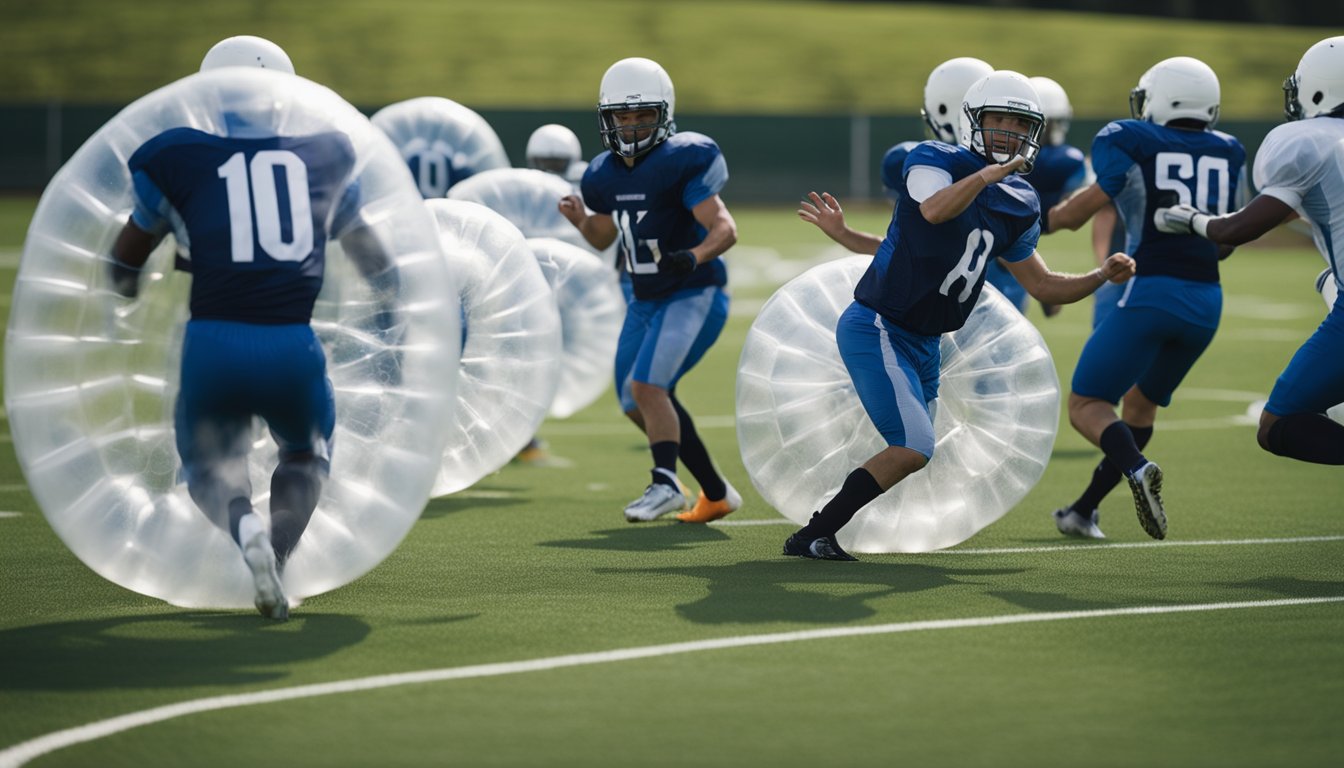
<point>1056,108</point>
<point>553,148</point>
<point>247,51</point>
<point>944,92</point>
<point>632,84</point>
<point>1002,92</point>
<point>1176,88</point>
<point>1317,87</point>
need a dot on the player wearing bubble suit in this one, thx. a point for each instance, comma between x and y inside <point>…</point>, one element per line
<point>657,192</point>
<point>964,206</point>
<point>553,148</point>
<point>1298,169</point>
<point>442,142</point>
<point>1168,315</point>
<point>253,211</point>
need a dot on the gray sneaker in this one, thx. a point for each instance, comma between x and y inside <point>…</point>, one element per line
<point>658,500</point>
<point>1071,523</point>
<point>1147,487</point>
<point>270,598</point>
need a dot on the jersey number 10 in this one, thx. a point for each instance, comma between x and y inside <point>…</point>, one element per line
<point>252,187</point>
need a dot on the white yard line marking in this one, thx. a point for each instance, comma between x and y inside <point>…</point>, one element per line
<point>10,514</point>
<point>21,753</point>
<point>1136,545</point>
<point>11,487</point>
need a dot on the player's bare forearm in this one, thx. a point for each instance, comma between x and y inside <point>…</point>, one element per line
<point>951,201</point>
<point>720,229</point>
<point>1078,209</point>
<point>1061,288</point>
<point>823,211</point>
<point>133,246</point>
<point>598,229</point>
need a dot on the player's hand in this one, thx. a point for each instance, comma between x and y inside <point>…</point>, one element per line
<point>1178,219</point>
<point>571,207</point>
<point>824,211</point>
<point>125,279</point>
<point>677,263</point>
<point>996,172</point>
<point>1117,268</point>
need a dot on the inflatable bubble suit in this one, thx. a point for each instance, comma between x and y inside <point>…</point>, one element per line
<point>91,377</point>
<point>802,430</point>
<point>511,347</point>
<point>528,198</point>
<point>442,141</point>
<point>592,311</point>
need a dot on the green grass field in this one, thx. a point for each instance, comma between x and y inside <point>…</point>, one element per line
<point>1217,647</point>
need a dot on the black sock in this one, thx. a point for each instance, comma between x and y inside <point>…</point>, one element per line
<point>1117,442</point>
<point>859,489</point>
<point>665,462</point>
<point>1311,437</point>
<point>1105,477</point>
<point>696,458</point>
<point>296,487</point>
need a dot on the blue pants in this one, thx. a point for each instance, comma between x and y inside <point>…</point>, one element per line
<point>1139,345</point>
<point>664,338</point>
<point>1313,382</point>
<point>895,373</point>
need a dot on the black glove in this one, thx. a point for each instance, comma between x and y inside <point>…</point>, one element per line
<point>677,263</point>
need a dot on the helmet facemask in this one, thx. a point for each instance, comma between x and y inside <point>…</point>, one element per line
<point>997,144</point>
<point>625,140</point>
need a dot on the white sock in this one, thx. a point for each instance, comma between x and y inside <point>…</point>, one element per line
<point>249,526</point>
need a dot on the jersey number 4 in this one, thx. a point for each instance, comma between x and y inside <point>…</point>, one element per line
<point>1209,177</point>
<point>253,188</point>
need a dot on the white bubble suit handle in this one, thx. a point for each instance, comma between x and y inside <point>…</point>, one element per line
<point>511,352</point>
<point>440,130</point>
<point>592,311</point>
<point>91,378</point>
<point>802,430</point>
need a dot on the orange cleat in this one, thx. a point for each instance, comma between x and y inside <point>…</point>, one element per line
<point>706,511</point>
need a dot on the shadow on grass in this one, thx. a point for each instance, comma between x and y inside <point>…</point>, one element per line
<point>644,538</point>
<point>1287,586</point>
<point>805,590</point>
<point>168,650</point>
<point>470,500</point>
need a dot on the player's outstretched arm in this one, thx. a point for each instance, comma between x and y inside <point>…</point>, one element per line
<point>597,228</point>
<point>1060,288</point>
<point>1259,216</point>
<point>1074,212</point>
<point>824,211</point>
<point>129,253</point>
<point>951,201</point>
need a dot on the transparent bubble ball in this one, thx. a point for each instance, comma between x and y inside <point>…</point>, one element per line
<point>442,141</point>
<point>511,345</point>
<point>91,378</point>
<point>802,430</point>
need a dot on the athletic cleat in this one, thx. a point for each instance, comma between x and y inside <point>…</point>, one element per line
<point>1147,487</point>
<point>260,557</point>
<point>658,500</point>
<point>705,510</point>
<point>824,548</point>
<point>1071,523</point>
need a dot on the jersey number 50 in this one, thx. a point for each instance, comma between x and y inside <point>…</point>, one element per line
<point>253,186</point>
<point>1211,178</point>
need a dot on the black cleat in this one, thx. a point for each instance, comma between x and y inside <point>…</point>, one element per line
<point>1147,487</point>
<point>823,548</point>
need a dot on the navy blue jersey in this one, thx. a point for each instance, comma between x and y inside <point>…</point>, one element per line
<point>1143,166</point>
<point>1059,170</point>
<point>651,204</point>
<point>893,169</point>
<point>926,278</point>
<point>253,213</point>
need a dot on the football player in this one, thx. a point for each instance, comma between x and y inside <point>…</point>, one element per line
<point>656,192</point>
<point>964,206</point>
<point>248,349</point>
<point>1169,312</point>
<point>553,148</point>
<point>1299,169</point>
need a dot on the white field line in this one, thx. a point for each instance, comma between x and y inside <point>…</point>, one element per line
<point>1136,545</point>
<point>23,752</point>
<point>729,422</point>
<point>10,514</point>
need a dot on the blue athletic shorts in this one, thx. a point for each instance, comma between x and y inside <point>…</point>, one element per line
<point>1139,345</point>
<point>664,338</point>
<point>895,373</point>
<point>234,371</point>
<point>1313,382</point>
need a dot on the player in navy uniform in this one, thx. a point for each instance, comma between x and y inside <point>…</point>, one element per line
<point>943,92</point>
<point>964,206</point>
<point>1298,169</point>
<point>248,349</point>
<point>1169,312</point>
<point>658,192</point>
